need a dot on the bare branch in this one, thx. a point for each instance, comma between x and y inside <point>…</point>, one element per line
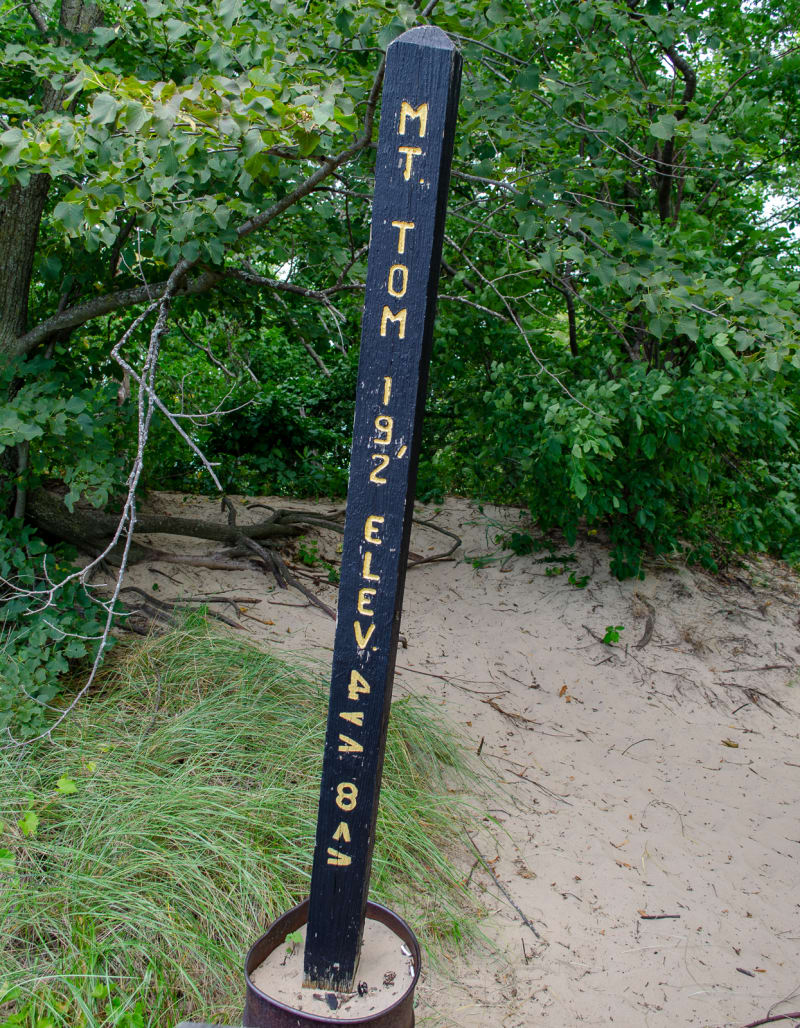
<point>254,279</point>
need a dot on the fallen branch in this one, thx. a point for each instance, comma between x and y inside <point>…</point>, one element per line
<point>490,870</point>
<point>775,1017</point>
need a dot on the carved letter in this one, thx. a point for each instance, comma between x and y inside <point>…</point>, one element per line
<point>355,717</point>
<point>371,528</point>
<point>400,317</point>
<point>342,833</point>
<point>421,114</point>
<point>362,638</point>
<point>411,152</point>
<point>366,569</point>
<point>364,600</point>
<point>403,226</point>
<point>348,745</point>
<point>338,859</point>
<point>358,686</point>
<point>403,280</point>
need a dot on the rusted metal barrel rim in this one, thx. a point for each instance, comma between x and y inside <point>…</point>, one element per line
<point>262,1011</point>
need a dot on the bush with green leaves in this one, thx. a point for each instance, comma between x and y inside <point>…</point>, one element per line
<point>44,633</point>
<point>700,459</point>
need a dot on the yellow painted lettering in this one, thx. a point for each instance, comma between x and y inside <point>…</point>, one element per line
<point>398,319</point>
<point>338,859</point>
<point>366,569</point>
<point>348,745</point>
<point>358,686</point>
<point>364,600</point>
<point>381,461</point>
<point>383,425</point>
<point>355,717</point>
<point>411,152</point>
<point>402,451</point>
<point>420,113</point>
<point>342,833</point>
<point>362,638</point>
<point>387,390</point>
<point>402,227</point>
<point>346,796</point>
<point>391,285</point>
<point>371,528</point>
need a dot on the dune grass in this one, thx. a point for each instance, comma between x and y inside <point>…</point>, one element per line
<point>173,818</point>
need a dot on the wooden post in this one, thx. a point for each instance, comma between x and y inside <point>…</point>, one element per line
<point>419,106</point>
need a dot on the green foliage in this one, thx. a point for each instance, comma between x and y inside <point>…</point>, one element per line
<point>44,632</point>
<point>612,634</point>
<point>69,425</point>
<point>202,754</point>
<point>622,216</point>
<point>667,458</point>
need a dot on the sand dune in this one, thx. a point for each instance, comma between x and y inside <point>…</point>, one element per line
<point>643,865</point>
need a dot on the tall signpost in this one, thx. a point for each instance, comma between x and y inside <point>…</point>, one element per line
<point>418,114</point>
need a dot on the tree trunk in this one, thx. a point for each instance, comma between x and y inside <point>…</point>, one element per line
<point>20,214</point>
<point>22,207</point>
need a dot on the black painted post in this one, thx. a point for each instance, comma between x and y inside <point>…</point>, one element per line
<point>419,106</point>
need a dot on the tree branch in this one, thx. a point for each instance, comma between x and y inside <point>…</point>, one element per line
<point>38,17</point>
<point>254,279</point>
<point>79,315</point>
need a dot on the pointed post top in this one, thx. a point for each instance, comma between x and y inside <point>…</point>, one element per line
<point>426,35</point>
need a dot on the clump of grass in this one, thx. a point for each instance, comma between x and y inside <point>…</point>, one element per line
<point>172,818</point>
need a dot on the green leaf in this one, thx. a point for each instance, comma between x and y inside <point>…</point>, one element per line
<point>29,824</point>
<point>496,13</point>
<point>308,142</point>
<point>7,864</point>
<point>229,11</point>
<point>103,35</point>
<point>104,109</point>
<point>389,33</point>
<point>12,142</point>
<point>69,214</point>
<point>66,785</point>
<point>664,128</point>
<point>176,29</point>
<point>349,122</point>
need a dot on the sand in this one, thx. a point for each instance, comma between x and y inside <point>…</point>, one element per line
<point>656,776</point>
<point>385,970</point>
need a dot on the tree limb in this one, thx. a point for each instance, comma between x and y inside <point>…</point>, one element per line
<point>38,17</point>
<point>79,315</point>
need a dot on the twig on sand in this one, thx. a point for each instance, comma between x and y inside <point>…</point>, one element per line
<point>490,870</point>
<point>764,667</point>
<point>775,1017</point>
<point>436,556</point>
<point>530,781</point>
<point>451,681</point>
<point>516,719</point>
<point>635,744</point>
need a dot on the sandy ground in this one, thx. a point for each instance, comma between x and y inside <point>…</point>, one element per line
<point>655,776</point>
